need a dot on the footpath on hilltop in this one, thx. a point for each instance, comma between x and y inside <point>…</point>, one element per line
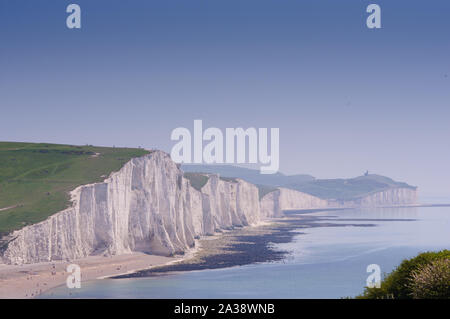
<point>36,178</point>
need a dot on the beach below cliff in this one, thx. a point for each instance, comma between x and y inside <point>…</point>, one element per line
<point>30,280</point>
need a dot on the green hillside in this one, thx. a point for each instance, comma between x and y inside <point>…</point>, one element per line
<point>198,180</point>
<point>349,189</point>
<point>253,176</point>
<point>339,189</point>
<point>35,179</point>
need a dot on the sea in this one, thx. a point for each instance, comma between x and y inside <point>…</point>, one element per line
<point>322,262</point>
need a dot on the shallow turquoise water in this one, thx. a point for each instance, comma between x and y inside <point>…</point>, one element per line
<point>324,262</point>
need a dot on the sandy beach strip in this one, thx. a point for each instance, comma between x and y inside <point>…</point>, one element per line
<point>28,281</point>
<point>31,280</point>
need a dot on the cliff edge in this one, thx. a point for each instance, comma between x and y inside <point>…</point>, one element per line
<point>147,206</point>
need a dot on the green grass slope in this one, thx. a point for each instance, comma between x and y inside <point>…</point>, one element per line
<point>35,179</point>
<point>263,190</point>
<point>198,180</point>
<point>253,176</point>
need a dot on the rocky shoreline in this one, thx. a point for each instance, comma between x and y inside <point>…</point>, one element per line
<point>249,245</point>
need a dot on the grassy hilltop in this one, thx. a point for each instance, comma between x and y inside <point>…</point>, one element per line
<point>350,188</point>
<point>35,179</point>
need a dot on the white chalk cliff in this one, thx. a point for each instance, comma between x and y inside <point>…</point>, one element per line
<point>148,206</point>
<point>391,197</point>
<point>274,203</point>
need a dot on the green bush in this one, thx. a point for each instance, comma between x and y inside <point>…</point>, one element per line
<point>398,284</point>
<point>432,281</point>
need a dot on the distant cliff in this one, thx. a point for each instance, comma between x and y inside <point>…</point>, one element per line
<point>149,206</point>
<point>400,196</point>
<point>338,189</point>
<point>274,203</point>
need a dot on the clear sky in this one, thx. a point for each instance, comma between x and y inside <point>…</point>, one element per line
<point>345,98</point>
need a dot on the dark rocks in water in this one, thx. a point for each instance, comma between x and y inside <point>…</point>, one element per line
<point>250,245</point>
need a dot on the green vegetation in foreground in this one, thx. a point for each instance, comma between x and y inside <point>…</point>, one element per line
<point>35,179</point>
<point>426,276</point>
<point>198,180</point>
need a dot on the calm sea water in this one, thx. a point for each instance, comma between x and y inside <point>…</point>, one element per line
<point>324,262</point>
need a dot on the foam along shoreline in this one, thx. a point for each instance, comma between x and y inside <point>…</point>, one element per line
<point>30,280</point>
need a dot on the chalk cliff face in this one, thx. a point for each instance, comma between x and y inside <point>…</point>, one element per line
<point>148,206</point>
<point>229,203</point>
<point>390,197</point>
<point>274,203</point>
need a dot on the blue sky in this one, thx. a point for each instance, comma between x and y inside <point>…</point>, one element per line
<point>345,98</point>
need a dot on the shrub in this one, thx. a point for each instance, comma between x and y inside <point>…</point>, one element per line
<point>398,283</point>
<point>431,281</point>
